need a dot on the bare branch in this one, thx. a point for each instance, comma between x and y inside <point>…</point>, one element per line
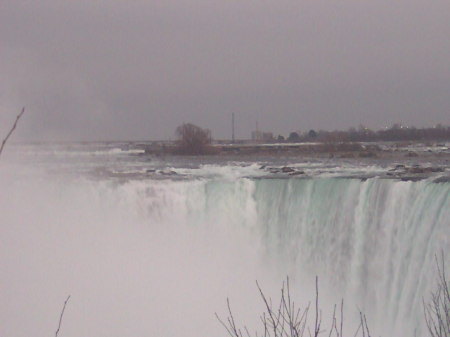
<point>333,321</point>
<point>61,316</point>
<point>318,319</point>
<point>284,319</point>
<point>437,310</point>
<point>367,327</point>
<point>12,130</point>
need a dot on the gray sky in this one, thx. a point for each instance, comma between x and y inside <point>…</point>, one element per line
<point>107,70</point>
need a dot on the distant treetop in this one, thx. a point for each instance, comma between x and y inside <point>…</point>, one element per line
<point>193,140</point>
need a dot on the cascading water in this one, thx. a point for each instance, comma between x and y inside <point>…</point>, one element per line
<point>375,241</point>
<point>159,257</point>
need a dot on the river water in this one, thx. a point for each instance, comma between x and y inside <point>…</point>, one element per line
<point>152,246</point>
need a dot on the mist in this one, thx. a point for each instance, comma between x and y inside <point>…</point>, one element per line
<point>127,273</point>
<point>155,245</point>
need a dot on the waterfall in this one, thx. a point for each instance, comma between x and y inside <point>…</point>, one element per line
<point>150,249</point>
<point>373,242</point>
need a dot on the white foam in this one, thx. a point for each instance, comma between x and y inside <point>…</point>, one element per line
<point>136,253</point>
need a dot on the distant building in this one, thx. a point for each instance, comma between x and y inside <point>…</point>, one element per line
<point>260,136</point>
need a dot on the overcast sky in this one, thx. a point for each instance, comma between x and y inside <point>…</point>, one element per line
<point>127,70</point>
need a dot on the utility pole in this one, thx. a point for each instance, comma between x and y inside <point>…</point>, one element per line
<point>232,128</point>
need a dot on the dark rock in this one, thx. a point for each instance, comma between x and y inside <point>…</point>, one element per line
<point>399,167</point>
<point>287,169</point>
<point>408,178</point>
<point>416,170</point>
<point>296,173</point>
<point>168,173</point>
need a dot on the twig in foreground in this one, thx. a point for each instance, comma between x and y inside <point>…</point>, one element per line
<point>12,130</point>
<point>61,316</point>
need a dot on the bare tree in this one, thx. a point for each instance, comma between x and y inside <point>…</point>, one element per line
<point>11,130</point>
<point>288,320</point>
<point>193,140</point>
<point>437,309</point>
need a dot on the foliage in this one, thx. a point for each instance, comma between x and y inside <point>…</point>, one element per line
<point>294,137</point>
<point>312,134</point>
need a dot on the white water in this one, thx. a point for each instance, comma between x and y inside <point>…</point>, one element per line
<point>158,258</point>
<point>373,240</point>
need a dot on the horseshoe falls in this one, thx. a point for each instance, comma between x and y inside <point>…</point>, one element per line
<point>374,240</point>
<point>154,248</point>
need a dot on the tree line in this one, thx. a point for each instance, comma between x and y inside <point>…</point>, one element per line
<point>363,134</point>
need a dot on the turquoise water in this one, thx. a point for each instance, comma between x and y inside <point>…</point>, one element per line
<point>134,250</point>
